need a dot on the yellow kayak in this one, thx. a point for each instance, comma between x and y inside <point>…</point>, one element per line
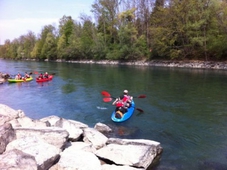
<point>20,80</point>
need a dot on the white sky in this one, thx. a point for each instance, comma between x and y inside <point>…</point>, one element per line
<point>18,17</point>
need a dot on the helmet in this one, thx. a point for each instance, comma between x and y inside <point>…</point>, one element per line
<point>46,73</point>
<point>125,91</point>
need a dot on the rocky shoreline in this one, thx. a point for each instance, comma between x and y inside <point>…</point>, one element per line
<point>160,63</point>
<point>54,143</point>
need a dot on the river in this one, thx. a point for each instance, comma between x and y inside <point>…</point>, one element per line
<point>184,109</point>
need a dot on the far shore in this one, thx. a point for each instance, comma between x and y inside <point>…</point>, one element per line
<point>220,65</point>
<point>198,64</point>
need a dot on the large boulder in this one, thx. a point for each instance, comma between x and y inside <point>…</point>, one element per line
<point>44,153</point>
<point>7,114</point>
<point>136,153</point>
<point>7,134</point>
<point>102,128</point>
<point>74,128</point>
<point>28,122</point>
<point>115,167</point>
<point>95,137</point>
<point>77,159</point>
<point>52,135</point>
<point>17,160</point>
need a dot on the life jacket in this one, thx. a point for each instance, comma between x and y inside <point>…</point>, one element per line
<point>125,99</point>
<point>120,104</point>
<point>27,76</point>
<point>46,75</point>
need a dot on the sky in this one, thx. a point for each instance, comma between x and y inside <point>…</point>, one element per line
<point>18,17</point>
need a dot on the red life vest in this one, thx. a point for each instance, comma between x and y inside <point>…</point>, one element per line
<point>126,98</point>
<point>120,104</point>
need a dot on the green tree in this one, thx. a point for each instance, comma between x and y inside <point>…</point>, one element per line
<point>50,47</point>
<point>39,50</point>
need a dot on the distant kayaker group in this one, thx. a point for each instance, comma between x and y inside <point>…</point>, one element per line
<point>43,76</point>
<point>18,78</point>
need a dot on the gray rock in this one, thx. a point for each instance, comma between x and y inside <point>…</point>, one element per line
<point>137,153</point>
<point>74,128</point>
<point>77,159</point>
<point>102,127</point>
<point>7,134</point>
<point>52,135</point>
<point>44,153</point>
<point>17,160</point>
<point>114,167</point>
<point>95,137</point>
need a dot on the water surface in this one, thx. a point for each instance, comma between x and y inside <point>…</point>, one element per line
<point>185,109</point>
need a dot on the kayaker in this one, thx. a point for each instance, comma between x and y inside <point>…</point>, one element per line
<point>18,76</point>
<point>127,98</point>
<point>121,107</point>
<point>27,75</point>
<point>46,75</point>
<point>40,76</point>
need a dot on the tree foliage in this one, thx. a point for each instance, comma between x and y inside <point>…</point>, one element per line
<point>131,30</point>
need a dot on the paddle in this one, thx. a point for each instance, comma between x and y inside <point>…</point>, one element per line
<point>106,94</point>
<point>36,72</point>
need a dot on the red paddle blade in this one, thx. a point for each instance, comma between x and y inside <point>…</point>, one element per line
<point>35,72</point>
<point>140,110</point>
<point>142,96</point>
<point>107,99</point>
<point>105,93</point>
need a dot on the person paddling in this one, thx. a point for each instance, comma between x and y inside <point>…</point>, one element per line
<point>40,76</point>
<point>121,107</point>
<point>27,75</point>
<point>18,76</point>
<point>46,76</point>
<point>127,98</point>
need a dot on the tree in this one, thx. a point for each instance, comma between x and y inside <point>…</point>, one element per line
<point>50,47</point>
<point>39,50</point>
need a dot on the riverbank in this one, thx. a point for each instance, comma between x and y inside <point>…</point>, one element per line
<point>55,143</point>
<point>160,63</point>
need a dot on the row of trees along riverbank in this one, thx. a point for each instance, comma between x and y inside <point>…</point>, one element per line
<point>131,30</point>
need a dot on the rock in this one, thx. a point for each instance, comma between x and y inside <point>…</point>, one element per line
<point>44,153</point>
<point>81,146</point>
<point>7,135</point>
<point>136,153</point>
<point>17,160</point>
<point>4,119</point>
<point>74,128</point>
<point>8,113</point>
<point>102,128</point>
<point>77,159</point>
<point>52,135</point>
<point>27,122</point>
<point>93,136</point>
<point>114,167</point>
<point>51,120</point>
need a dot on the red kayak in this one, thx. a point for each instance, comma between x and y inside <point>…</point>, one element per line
<point>44,79</point>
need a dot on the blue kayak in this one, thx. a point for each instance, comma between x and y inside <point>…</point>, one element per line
<point>125,116</point>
